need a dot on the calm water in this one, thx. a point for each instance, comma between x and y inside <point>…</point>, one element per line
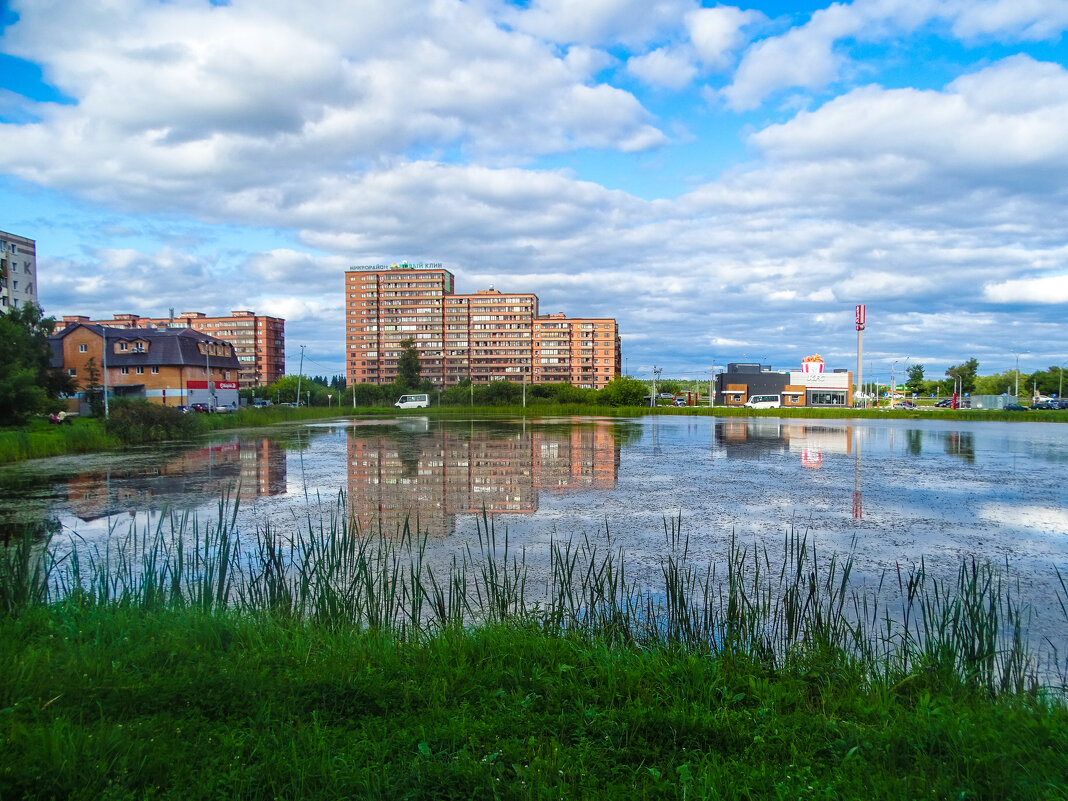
<point>892,491</point>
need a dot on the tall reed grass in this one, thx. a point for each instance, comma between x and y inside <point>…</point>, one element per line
<point>40,440</point>
<point>781,611</point>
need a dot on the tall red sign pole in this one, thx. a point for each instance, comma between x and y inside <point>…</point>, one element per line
<point>862,313</point>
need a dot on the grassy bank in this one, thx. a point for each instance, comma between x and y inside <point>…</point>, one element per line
<point>127,703</point>
<point>195,661</point>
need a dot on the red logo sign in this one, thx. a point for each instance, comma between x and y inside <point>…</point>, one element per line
<point>861,315</point>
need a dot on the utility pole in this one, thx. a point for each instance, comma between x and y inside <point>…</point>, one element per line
<point>104,334</point>
<point>656,377</point>
<point>300,373</point>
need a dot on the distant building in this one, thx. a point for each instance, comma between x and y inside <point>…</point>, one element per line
<point>18,271</point>
<point>809,386</point>
<point>259,341</point>
<point>170,366</point>
<point>486,336</point>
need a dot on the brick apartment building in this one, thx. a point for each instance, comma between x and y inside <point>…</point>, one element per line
<point>258,340</point>
<point>485,336</point>
<point>167,366</point>
<point>18,271</point>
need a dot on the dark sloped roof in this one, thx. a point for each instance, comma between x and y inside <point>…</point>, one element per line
<point>166,346</point>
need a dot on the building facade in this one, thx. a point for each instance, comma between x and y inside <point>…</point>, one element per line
<point>259,341</point>
<point>18,271</point>
<point>485,336</point>
<point>812,385</point>
<point>169,366</point>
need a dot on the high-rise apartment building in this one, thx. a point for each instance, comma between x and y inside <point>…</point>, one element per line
<point>18,271</point>
<point>486,336</point>
<point>585,351</point>
<point>258,340</point>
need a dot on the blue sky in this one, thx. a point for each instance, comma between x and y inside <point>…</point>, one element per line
<point>727,181</point>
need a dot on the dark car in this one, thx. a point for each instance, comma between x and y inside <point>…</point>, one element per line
<point>945,403</point>
<point>1014,407</point>
<point>1048,405</point>
<point>905,405</point>
<point>202,408</point>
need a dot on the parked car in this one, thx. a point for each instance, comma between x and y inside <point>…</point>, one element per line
<point>905,405</point>
<point>1014,407</point>
<point>945,403</point>
<point>665,396</point>
<point>202,408</point>
<point>1047,405</point>
<point>679,402</point>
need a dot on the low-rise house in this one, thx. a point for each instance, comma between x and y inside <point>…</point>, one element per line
<point>171,366</point>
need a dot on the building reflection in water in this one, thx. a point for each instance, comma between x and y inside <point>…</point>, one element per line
<point>430,473</point>
<point>244,467</point>
<point>750,439</point>
<point>810,441</point>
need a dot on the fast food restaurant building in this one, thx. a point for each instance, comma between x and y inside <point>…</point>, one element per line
<point>811,386</point>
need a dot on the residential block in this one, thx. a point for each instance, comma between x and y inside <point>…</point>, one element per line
<point>18,271</point>
<point>259,341</point>
<point>485,336</point>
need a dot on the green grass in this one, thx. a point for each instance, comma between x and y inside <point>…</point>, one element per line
<point>324,662</point>
<point>119,702</point>
<point>41,439</point>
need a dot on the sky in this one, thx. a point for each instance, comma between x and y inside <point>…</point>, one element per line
<point>727,181</point>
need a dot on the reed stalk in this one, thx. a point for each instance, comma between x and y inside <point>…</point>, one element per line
<point>799,608</point>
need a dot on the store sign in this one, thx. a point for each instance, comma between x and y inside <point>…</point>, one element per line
<point>862,313</point>
<point>812,364</point>
<point>821,380</point>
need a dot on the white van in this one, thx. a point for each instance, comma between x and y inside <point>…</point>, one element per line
<point>413,402</point>
<point>763,402</point>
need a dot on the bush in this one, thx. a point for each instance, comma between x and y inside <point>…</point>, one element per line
<point>138,422</point>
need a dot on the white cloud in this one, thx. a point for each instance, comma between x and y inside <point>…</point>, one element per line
<point>241,95</point>
<point>716,33</point>
<point>1016,19</point>
<point>813,55</point>
<point>668,67</point>
<point>599,22</point>
<point>1009,116</point>
<point>1047,290</point>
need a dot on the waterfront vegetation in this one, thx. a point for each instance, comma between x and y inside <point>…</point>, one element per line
<point>196,660</point>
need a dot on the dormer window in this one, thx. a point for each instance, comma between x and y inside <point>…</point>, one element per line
<point>123,346</point>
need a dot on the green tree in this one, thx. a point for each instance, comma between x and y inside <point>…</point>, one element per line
<point>623,391</point>
<point>965,373</point>
<point>1049,381</point>
<point>408,365</point>
<point>92,389</point>
<point>28,384</point>
<point>915,382</point>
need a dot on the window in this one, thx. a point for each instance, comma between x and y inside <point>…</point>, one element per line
<point>155,371</point>
<point>72,372</point>
<point>124,370</point>
<point>83,348</point>
<point>123,346</point>
<point>140,370</point>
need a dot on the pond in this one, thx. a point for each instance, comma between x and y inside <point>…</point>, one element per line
<point>892,492</point>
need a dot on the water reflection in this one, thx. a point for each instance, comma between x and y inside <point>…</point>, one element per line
<point>248,467</point>
<point>432,473</point>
